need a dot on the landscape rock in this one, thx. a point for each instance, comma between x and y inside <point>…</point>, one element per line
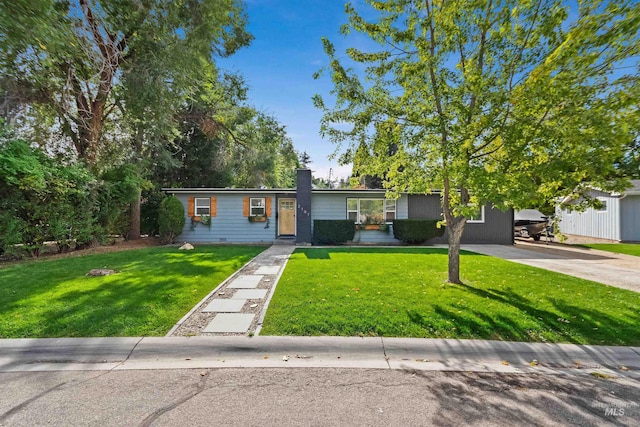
<point>100,272</point>
<point>186,247</point>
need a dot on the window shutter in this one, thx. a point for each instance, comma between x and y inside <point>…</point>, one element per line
<point>246,206</point>
<point>268,206</point>
<point>212,211</point>
<point>191,206</point>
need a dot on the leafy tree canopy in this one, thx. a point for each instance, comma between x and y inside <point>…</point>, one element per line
<point>81,61</point>
<point>492,101</point>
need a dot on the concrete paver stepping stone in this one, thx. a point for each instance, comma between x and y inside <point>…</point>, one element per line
<point>245,282</point>
<point>243,294</point>
<point>225,305</point>
<point>268,269</point>
<point>230,322</point>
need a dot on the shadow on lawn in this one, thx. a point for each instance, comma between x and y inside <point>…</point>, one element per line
<point>150,293</point>
<point>583,326</point>
<point>325,253</point>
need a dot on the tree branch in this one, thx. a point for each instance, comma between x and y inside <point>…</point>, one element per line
<point>93,26</point>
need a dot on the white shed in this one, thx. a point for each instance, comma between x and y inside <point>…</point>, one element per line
<point>618,219</point>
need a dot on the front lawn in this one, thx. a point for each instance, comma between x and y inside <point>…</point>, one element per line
<point>620,248</point>
<point>154,288</point>
<point>401,292</point>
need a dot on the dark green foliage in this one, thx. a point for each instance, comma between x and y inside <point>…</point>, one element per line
<point>151,199</point>
<point>43,200</point>
<point>333,231</point>
<point>415,231</point>
<point>170,219</point>
<point>119,187</point>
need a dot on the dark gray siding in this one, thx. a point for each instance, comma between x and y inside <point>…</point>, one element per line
<point>425,206</point>
<point>630,219</point>
<point>497,227</point>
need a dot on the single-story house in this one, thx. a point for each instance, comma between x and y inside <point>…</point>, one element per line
<point>252,215</point>
<point>617,219</point>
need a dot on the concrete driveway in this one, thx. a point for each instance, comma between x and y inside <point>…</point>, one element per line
<point>619,270</point>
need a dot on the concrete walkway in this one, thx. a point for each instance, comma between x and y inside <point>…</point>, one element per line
<point>238,305</point>
<point>106,354</point>
<point>239,295</point>
<point>619,270</point>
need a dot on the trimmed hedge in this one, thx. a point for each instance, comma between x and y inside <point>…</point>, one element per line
<point>170,219</point>
<point>414,231</point>
<point>332,232</point>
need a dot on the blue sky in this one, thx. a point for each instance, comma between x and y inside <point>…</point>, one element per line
<point>279,66</point>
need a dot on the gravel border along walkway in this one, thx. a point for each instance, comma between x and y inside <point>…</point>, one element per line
<point>194,322</point>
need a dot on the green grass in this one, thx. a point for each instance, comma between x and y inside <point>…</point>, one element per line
<point>154,288</point>
<point>402,292</point>
<point>619,248</point>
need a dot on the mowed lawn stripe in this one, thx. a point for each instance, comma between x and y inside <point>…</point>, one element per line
<point>619,248</point>
<point>402,292</point>
<point>153,289</point>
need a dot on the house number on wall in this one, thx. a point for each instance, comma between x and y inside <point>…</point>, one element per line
<point>304,211</point>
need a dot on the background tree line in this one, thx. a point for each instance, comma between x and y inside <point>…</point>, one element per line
<point>103,102</point>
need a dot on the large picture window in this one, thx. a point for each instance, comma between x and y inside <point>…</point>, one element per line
<point>371,211</point>
<point>203,206</point>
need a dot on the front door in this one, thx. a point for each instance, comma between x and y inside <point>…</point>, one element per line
<point>287,217</point>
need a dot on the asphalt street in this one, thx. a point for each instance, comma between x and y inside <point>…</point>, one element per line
<point>312,396</point>
<point>324,381</point>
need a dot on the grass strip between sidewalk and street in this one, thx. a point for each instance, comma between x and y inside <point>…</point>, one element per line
<point>152,290</point>
<point>619,248</point>
<point>402,292</point>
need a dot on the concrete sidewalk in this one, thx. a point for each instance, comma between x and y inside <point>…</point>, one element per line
<point>105,354</point>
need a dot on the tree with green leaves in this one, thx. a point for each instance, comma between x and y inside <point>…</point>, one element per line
<point>86,62</point>
<point>237,145</point>
<point>109,75</point>
<point>497,102</point>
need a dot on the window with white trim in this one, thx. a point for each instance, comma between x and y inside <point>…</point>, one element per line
<point>202,206</point>
<point>477,218</point>
<point>603,205</point>
<point>371,211</point>
<point>257,206</point>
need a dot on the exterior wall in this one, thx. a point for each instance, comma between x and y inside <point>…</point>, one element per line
<point>497,227</point>
<point>592,223</point>
<point>630,219</point>
<point>229,224</point>
<point>334,206</point>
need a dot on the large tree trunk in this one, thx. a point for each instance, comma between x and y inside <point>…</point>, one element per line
<point>134,227</point>
<point>455,227</point>
<point>454,232</point>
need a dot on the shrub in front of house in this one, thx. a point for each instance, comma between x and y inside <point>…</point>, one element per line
<point>170,219</point>
<point>415,231</point>
<point>331,232</point>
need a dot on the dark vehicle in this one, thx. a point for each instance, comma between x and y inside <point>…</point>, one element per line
<point>530,223</point>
